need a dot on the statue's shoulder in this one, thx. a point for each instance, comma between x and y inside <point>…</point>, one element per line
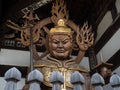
<point>48,62</point>
<point>73,65</point>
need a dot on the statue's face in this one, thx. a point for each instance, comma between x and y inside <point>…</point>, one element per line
<point>60,46</point>
<point>105,72</point>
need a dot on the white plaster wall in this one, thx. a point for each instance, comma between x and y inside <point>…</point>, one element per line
<point>110,48</point>
<point>20,84</point>
<point>117,4</point>
<point>104,24</point>
<point>14,57</point>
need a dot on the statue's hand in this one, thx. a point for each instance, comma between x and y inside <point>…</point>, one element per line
<point>84,38</point>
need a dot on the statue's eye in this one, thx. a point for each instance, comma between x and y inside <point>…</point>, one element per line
<point>65,41</point>
<point>55,41</point>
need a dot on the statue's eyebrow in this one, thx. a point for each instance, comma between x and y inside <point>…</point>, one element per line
<point>66,39</point>
<point>55,40</point>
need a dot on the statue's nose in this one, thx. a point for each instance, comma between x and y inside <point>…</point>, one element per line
<point>60,45</point>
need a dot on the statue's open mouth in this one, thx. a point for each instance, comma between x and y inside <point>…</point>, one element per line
<point>60,51</point>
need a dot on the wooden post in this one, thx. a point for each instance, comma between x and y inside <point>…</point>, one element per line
<point>77,80</point>
<point>92,58</point>
<point>115,82</point>
<point>35,78</point>
<point>97,81</point>
<point>31,49</point>
<point>56,79</point>
<point>12,76</point>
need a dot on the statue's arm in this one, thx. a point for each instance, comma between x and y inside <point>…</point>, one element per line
<point>35,53</point>
<point>84,39</point>
<point>80,56</point>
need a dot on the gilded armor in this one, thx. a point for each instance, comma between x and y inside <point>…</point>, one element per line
<point>66,67</point>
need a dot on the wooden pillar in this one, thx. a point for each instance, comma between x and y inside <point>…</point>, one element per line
<point>115,82</point>
<point>92,58</point>
<point>77,80</point>
<point>56,79</point>
<point>97,81</point>
<point>35,78</point>
<point>12,76</point>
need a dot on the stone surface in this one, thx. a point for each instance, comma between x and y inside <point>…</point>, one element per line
<point>77,80</point>
<point>12,76</point>
<point>115,81</point>
<point>97,81</point>
<point>56,79</point>
<point>35,78</point>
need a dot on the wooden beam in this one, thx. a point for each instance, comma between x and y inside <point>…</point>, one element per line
<point>108,34</point>
<point>115,60</point>
<point>103,10</point>
<point>17,10</point>
<point>17,45</point>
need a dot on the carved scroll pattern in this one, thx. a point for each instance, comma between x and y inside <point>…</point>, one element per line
<point>29,24</point>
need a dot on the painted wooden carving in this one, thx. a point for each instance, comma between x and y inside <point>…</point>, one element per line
<point>58,41</point>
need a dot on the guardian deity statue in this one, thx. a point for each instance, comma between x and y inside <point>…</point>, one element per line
<point>60,59</point>
<point>59,43</point>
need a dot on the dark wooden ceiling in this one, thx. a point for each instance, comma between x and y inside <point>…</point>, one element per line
<point>79,12</point>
